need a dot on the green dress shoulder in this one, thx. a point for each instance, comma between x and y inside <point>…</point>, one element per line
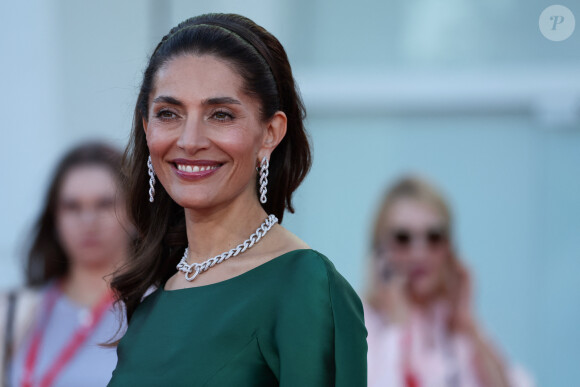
<point>292,322</point>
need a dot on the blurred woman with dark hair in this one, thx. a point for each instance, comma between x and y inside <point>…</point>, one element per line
<point>419,312</point>
<point>53,327</point>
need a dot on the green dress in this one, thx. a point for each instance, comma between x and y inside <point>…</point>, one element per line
<point>293,321</point>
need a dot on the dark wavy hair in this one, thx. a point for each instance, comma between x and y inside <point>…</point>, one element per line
<point>260,60</point>
<point>46,259</point>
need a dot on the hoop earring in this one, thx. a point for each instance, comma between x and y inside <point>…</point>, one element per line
<point>264,179</point>
<point>151,173</point>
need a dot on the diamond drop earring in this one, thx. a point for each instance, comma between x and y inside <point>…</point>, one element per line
<point>151,173</point>
<point>264,179</point>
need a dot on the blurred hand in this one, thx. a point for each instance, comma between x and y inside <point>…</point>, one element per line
<point>390,293</point>
<point>489,365</point>
<point>461,297</point>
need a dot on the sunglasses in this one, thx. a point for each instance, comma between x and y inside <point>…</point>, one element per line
<point>433,238</point>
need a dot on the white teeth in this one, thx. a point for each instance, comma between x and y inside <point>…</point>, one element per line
<point>195,168</point>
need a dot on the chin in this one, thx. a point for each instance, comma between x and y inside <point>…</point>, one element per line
<point>205,198</point>
<point>198,205</point>
<point>423,291</point>
<point>193,199</point>
<point>94,258</point>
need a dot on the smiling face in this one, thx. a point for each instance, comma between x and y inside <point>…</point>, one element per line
<point>205,135</point>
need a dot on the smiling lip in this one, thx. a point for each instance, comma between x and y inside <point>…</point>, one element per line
<point>195,169</point>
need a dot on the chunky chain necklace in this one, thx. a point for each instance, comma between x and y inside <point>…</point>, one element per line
<point>193,270</point>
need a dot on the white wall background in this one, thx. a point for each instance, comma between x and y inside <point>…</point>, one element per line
<point>470,95</point>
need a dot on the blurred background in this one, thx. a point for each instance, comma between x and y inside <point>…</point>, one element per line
<point>469,94</point>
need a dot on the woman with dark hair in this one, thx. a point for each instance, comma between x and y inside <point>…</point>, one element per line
<point>218,148</point>
<point>53,328</point>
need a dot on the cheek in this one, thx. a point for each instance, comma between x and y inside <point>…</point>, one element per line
<point>399,259</point>
<point>242,149</point>
<point>158,141</point>
<point>240,144</point>
<point>121,216</point>
<point>440,260</point>
<point>67,232</point>
<point>112,225</point>
<point>437,274</point>
<point>116,235</point>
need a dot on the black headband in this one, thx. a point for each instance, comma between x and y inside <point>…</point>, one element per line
<point>234,33</point>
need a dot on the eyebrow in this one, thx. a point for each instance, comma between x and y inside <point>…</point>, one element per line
<point>209,101</point>
<point>221,101</point>
<point>167,99</point>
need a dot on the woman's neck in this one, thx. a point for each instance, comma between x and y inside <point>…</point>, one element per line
<point>211,232</point>
<point>435,312</point>
<point>86,285</point>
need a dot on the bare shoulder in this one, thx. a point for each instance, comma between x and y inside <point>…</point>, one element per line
<point>277,242</point>
<point>288,240</point>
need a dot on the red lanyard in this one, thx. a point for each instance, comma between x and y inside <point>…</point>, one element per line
<point>410,378</point>
<point>78,338</point>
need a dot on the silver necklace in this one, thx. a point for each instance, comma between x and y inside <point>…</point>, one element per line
<point>197,268</point>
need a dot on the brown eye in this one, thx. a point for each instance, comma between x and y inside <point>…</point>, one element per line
<point>222,116</point>
<point>165,115</point>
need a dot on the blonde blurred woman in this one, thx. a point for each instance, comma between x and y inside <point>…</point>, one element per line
<point>421,328</point>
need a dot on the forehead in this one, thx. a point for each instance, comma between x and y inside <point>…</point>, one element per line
<point>197,77</point>
<point>413,214</point>
<point>87,182</point>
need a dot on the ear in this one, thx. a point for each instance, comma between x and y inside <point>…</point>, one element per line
<point>275,132</point>
<point>145,123</point>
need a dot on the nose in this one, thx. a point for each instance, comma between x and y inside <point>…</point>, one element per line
<point>193,135</point>
<point>419,250</point>
<point>88,216</point>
